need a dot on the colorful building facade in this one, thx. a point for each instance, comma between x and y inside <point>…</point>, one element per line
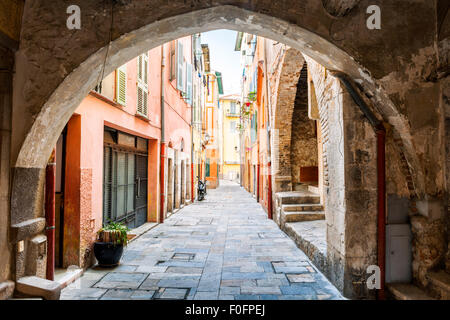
<point>134,129</point>
<point>211,120</point>
<point>230,110</point>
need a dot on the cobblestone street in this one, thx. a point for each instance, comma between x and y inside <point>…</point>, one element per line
<point>221,248</point>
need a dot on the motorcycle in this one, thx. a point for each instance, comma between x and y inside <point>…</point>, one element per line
<point>201,190</point>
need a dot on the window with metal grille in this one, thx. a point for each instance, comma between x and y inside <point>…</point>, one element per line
<point>125,180</point>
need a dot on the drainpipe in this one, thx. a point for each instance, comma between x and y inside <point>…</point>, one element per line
<point>381,173</point>
<point>269,153</point>
<point>163,143</point>
<point>258,168</point>
<point>50,181</point>
<point>381,177</point>
<point>192,124</point>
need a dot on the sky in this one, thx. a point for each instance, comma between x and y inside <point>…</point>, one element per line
<point>224,59</point>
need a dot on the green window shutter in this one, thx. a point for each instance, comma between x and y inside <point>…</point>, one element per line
<point>121,85</point>
<point>180,67</point>
<point>189,83</point>
<point>219,82</point>
<point>207,167</point>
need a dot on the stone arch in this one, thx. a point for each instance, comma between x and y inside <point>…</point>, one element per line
<point>291,67</point>
<point>56,68</point>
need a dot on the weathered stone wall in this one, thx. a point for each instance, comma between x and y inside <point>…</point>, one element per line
<point>6,67</point>
<point>446,101</point>
<point>339,8</point>
<point>443,15</point>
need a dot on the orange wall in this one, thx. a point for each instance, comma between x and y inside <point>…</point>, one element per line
<point>72,193</point>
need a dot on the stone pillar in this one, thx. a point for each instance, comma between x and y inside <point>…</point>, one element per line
<point>360,160</point>
<point>350,185</point>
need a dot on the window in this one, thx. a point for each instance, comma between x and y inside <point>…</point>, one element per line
<point>180,68</point>
<point>253,129</point>
<point>207,167</point>
<point>142,85</point>
<point>232,127</point>
<point>125,180</point>
<point>263,113</point>
<point>233,107</point>
<point>98,88</point>
<point>121,85</point>
<point>189,70</point>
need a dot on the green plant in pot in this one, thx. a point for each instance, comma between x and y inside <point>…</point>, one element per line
<point>111,239</point>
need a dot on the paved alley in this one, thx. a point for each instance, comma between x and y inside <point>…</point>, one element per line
<point>221,248</point>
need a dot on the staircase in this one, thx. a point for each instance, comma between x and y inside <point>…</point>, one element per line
<point>438,288</point>
<point>298,206</point>
<point>439,285</point>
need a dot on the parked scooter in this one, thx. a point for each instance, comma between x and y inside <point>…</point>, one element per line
<point>201,190</point>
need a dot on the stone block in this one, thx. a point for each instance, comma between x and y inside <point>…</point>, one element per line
<point>6,289</point>
<point>38,287</point>
<point>26,229</point>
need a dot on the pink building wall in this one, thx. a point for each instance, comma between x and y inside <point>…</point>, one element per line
<point>97,111</point>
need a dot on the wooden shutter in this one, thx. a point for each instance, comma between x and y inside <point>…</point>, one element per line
<point>140,68</point>
<point>142,85</point>
<point>140,99</point>
<point>121,85</point>
<point>180,67</point>
<point>189,83</point>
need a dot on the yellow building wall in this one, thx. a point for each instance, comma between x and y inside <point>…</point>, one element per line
<point>231,141</point>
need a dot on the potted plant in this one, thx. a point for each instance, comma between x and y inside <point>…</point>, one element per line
<point>111,239</point>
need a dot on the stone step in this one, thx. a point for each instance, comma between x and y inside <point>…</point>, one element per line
<point>67,276</point>
<point>301,207</point>
<point>313,189</point>
<point>406,291</point>
<point>298,216</point>
<point>439,284</point>
<point>299,198</point>
<point>38,287</point>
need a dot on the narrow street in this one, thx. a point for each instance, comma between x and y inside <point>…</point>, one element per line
<point>221,248</point>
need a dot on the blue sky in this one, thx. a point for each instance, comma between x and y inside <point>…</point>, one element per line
<point>224,59</point>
